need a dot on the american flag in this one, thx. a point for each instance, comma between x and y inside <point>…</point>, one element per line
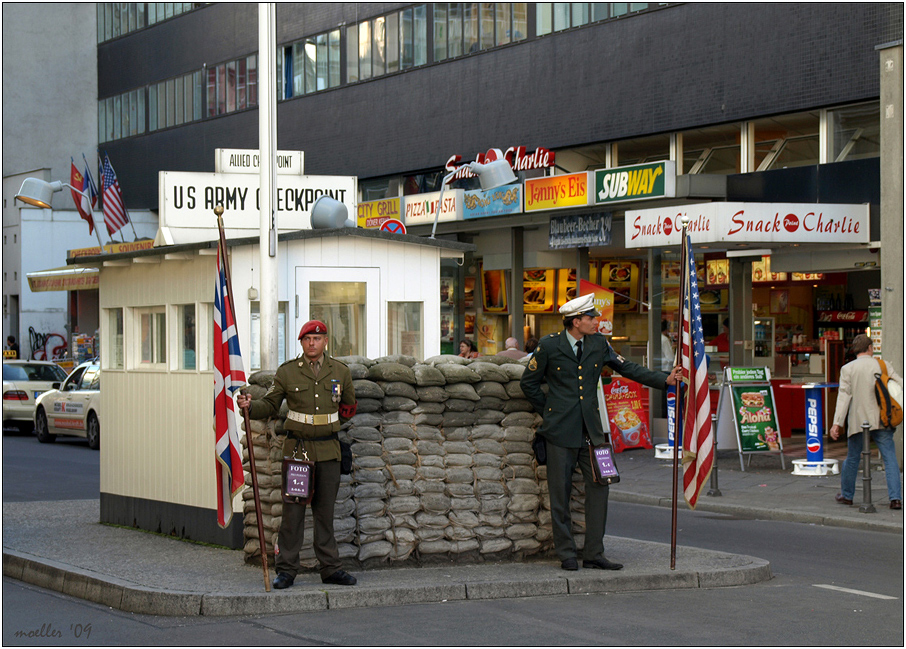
<point>698,438</point>
<point>81,200</point>
<point>114,207</point>
<point>228,377</point>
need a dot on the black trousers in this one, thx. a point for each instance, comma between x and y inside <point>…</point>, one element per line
<point>292,527</point>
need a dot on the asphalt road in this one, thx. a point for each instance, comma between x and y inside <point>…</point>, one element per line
<point>832,586</point>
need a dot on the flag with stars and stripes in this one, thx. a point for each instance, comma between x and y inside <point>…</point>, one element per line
<point>698,436</point>
<point>115,216</point>
<point>229,376</point>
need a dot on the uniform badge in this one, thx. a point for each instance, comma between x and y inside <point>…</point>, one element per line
<point>533,364</point>
<point>336,390</point>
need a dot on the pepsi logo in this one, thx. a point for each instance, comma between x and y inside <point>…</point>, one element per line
<point>813,446</point>
<point>791,222</point>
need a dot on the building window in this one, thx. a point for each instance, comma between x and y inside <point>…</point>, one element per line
<point>151,337</point>
<point>341,306</point>
<point>309,65</point>
<point>855,132</point>
<point>556,16</point>
<point>115,349</point>
<point>387,44</point>
<point>404,329</point>
<point>255,334</point>
<point>186,336</point>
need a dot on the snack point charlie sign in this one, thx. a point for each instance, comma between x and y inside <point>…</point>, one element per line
<point>188,199</point>
<point>748,223</point>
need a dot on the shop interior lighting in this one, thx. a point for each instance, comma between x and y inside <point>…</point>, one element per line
<point>491,176</point>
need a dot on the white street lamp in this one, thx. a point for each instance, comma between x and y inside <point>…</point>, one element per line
<point>491,176</point>
<point>39,193</point>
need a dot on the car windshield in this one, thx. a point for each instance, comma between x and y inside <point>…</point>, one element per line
<point>33,372</point>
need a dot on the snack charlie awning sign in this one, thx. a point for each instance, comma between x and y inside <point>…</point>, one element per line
<point>748,223</point>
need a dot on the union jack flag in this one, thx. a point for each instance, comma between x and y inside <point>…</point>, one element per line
<point>115,216</point>
<point>228,377</point>
<point>698,438</point>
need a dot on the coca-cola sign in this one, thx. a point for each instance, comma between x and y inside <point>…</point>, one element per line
<point>748,223</point>
<point>843,316</point>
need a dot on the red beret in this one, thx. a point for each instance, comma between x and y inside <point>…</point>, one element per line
<point>313,327</point>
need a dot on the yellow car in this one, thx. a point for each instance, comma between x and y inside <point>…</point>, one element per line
<point>72,409</point>
<point>23,382</point>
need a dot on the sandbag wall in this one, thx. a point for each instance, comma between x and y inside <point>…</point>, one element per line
<point>442,466</point>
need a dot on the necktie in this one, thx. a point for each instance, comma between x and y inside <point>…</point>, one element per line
<point>579,350</point>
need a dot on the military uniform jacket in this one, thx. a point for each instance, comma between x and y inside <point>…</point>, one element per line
<point>572,386</point>
<point>296,383</point>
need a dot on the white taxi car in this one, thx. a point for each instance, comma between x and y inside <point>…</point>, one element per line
<point>23,382</point>
<point>73,409</point>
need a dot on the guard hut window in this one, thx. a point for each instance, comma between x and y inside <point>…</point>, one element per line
<point>115,351</point>
<point>186,336</point>
<point>151,337</point>
<point>341,306</point>
<point>404,329</point>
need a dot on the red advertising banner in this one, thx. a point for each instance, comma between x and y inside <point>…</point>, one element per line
<point>627,410</point>
<point>603,303</point>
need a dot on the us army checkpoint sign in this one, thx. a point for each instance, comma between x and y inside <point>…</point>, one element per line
<point>187,201</point>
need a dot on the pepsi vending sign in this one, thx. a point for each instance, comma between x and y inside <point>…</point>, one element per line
<point>813,410</point>
<point>671,416</point>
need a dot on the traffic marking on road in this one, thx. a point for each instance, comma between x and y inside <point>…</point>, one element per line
<point>854,592</point>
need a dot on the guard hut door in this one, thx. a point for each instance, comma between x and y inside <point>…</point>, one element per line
<point>348,301</point>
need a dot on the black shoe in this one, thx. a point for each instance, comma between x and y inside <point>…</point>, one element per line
<point>843,501</point>
<point>341,578</point>
<point>602,564</point>
<point>569,564</point>
<point>896,504</point>
<point>283,580</point>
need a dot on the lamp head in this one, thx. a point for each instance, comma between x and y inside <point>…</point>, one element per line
<point>493,174</point>
<point>38,193</point>
<point>327,212</point>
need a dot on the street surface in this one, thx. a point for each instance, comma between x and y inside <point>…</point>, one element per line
<point>832,586</point>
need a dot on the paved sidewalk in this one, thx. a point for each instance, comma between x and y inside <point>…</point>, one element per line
<point>764,490</point>
<point>62,547</point>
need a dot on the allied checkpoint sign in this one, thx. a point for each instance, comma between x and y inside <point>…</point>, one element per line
<point>188,199</point>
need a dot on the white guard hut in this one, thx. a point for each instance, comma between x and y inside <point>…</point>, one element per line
<point>378,292</point>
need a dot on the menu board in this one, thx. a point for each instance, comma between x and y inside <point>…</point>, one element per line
<point>711,300</point>
<point>627,410</point>
<point>761,271</point>
<point>566,283</point>
<point>538,290</point>
<point>622,277</point>
<point>670,273</point>
<point>756,418</point>
<point>469,292</point>
<point>717,272</point>
<point>493,291</point>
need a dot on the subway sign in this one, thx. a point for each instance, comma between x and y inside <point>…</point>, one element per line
<point>636,183</point>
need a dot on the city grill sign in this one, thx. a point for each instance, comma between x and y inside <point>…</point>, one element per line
<point>748,223</point>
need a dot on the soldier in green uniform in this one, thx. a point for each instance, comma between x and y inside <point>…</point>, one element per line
<point>320,397</point>
<point>571,363</point>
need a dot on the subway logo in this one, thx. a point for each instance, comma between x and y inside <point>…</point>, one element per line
<point>655,180</point>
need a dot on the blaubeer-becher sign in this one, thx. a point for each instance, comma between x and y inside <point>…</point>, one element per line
<point>580,231</point>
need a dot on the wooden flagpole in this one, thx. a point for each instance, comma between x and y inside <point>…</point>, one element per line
<point>245,411</point>
<point>678,418</point>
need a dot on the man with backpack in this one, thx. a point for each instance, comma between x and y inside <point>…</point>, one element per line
<point>857,396</point>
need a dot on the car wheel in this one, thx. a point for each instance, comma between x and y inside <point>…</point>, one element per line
<point>41,430</point>
<point>94,432</point>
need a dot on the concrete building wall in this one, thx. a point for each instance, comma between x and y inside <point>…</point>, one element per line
<point>50,89</point>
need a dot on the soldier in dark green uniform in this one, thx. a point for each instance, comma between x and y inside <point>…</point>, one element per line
<point>570,363</point>
<point>319,394</point>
